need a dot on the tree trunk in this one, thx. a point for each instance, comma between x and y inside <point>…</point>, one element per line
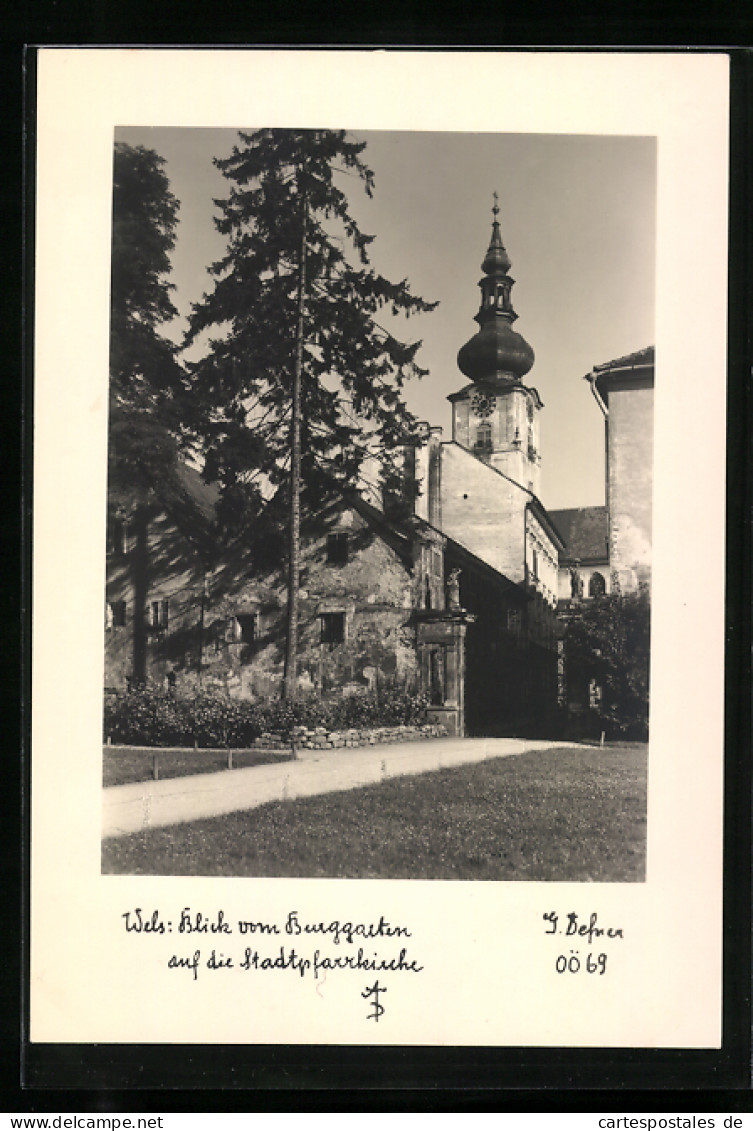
<point>290,683</point>
<point>140,568</point>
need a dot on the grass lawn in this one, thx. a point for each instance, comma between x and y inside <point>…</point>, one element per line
<point>120,766</point>
<point>559,814</point>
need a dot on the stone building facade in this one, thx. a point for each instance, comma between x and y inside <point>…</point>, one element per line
<point>219,623</point>
<point>380,604</point>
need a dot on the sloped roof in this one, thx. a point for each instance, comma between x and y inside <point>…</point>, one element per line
<point>585,531</point>
<point>629,361</point>
<point>204,496</point>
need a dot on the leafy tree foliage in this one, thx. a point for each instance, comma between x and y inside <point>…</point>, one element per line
<point>146,379</point>
<point>608,640</point>
<point>353,368</point>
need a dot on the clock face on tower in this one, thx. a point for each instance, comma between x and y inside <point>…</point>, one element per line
<point>482,404</point>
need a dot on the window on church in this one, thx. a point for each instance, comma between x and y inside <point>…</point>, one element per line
<point>332,628</point>
<point>337,549</point>
<point>534,565</point>
<point>597,586</point>
<point>484,437</point>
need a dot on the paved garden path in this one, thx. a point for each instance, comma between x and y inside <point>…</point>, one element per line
<point>152,804</point>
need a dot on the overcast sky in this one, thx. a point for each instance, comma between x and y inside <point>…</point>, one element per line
<point>577,216</point>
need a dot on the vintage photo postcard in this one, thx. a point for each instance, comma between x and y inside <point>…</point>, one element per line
<point>378,674</point>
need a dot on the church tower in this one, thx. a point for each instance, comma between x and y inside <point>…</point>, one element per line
<point>496,417</point>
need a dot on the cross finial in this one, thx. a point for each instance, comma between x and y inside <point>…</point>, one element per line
<point>495,207</point>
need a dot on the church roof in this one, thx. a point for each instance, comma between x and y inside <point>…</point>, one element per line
<point>585,531</point>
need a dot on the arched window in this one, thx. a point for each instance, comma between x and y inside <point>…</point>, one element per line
<point>597,586</point>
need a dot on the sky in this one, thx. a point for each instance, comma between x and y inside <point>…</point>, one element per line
<point>577,216</point>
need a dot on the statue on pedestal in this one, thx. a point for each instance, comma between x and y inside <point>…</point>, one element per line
<point>453,589</point>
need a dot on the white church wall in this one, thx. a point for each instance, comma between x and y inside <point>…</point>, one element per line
<point>483,511</point>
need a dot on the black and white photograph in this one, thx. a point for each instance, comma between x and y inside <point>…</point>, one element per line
<point>379,548</point>
<point>379,529</point>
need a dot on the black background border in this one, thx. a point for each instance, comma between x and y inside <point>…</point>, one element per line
<point>102,1078</point>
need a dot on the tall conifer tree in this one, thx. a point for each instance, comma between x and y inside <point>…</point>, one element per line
<point>146,379</point>
<point>302,381</point>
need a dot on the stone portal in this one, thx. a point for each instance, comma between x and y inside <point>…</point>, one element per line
<point>440,640</point>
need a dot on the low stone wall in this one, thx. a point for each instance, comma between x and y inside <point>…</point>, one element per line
<point>319,738</point>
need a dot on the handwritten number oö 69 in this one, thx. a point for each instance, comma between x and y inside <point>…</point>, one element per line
<point>571,964</point>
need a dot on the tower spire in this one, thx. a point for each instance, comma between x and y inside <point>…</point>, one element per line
<point>496,257</point>
<point>496,354</point>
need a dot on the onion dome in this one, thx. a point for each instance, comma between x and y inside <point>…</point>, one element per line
<point>497,354</point>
